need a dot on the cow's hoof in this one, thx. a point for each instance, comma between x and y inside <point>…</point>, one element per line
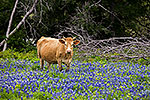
<point>66,70</point>
<point>61,70</point>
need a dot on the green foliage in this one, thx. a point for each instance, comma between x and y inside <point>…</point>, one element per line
<point>32,56</point>
<point>5,11</point>
<point>106,58</point>
<point>13,54</point>
<point>97,21</point>
<point>19,42</point>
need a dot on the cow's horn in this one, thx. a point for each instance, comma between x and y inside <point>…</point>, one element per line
<point>63,37</point>
<point>74,38</point>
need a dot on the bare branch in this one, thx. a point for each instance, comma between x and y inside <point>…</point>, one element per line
<point>20,23</point>
<point>26,15</point>
<point>118,48</point>
<point>110,13</point>
<point>9,25</point>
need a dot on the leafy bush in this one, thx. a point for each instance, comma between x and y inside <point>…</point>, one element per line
<point>13,54</point>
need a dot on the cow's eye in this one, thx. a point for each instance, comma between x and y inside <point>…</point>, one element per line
<point>65,44</point>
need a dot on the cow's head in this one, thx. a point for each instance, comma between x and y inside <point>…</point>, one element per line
<point>69,42</point>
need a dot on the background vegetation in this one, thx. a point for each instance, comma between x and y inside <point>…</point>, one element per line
<point>100,19</point>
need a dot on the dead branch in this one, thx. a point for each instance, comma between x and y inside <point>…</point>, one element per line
<point>116,47</point>
<point>9,25</point>
<point>20,23</point>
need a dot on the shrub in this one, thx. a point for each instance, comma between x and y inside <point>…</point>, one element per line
<point>13,54</point>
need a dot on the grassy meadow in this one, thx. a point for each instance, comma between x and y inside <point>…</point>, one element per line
<point>22,79</point>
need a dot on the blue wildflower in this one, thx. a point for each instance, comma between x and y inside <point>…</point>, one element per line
<point>21,98</point>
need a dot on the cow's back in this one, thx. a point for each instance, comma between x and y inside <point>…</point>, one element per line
<point>47,48</point>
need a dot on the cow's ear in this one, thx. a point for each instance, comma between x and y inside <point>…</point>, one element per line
<point>76,42</point>
<point>62,41</point>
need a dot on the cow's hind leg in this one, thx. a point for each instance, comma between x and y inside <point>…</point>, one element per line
<point>41,63</point>
<point>49,66</point>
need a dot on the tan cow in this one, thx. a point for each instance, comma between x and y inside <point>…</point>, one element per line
<point>56,51</point>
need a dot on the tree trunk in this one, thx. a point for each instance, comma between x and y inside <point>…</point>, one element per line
<point>8,34</point>
<point>10,22</point>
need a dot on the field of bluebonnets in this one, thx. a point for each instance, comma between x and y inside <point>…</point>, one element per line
<point>22,79</point>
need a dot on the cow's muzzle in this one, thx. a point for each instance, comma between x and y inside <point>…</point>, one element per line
<point>68,51</point>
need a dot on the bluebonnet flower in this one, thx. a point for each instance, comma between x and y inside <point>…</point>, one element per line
<point>52,98</point>
<point>80,81</point>
<point>7,90</point>
<point>72,98</point>
<point>27,96</point>
<point>21,98</point>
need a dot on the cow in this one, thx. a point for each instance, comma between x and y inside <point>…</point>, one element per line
<point>56,51</point>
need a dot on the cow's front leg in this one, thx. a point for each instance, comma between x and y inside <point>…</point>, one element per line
<point>59,64</point>
<point>41,63</point>
<point>49,66</point>
<point>68,67</point>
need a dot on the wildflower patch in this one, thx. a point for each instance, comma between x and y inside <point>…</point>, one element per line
<point>85,81</point>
